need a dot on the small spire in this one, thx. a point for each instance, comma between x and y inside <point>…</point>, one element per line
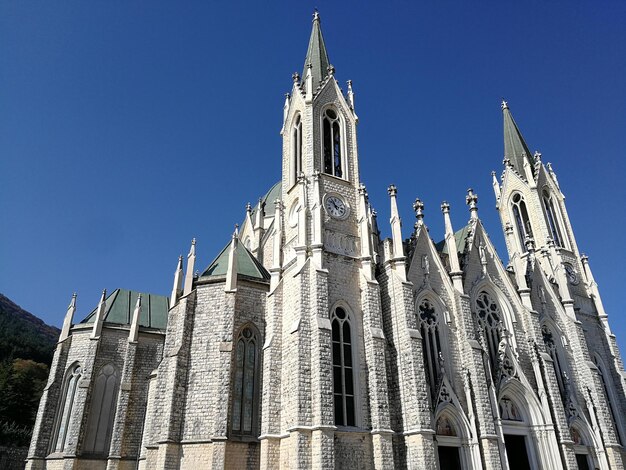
<point>191,261</point>
<point>177,289</point>
<point>231,273</point>
<point>350,94</point>
<point>396,234</point>
<point>496,185</point>
<point>133,335</point>
<point>472,201</point>
<point>69,316</point>
<point>99,318</point>
<point>453,256</point>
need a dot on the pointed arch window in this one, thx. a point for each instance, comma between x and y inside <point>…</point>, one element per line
<point>102,413</point>
<point>331,132</point>
<point>246,382</point>
<point>553,350</point>
<point>522,221</point>
<point>553,219</point>
<point>490,321</point>
<point>343,368</point>
<point>608,396</point>
<point>428,318</point>
<point>65,412</point>
<point>296,149</point>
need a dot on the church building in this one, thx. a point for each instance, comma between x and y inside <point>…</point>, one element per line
<point>311,343</point>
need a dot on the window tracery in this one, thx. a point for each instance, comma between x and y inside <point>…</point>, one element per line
<point>343,369</point>
<point>332,151</point>
<point>102,414</point>
<point>245,383</point>
<point>429,322</point>
<point>490,321</point>
<point>66,411</point>
<point>553,220</point>
<point>551,346</point>
<point>522,221</point>
<point>296,149</point>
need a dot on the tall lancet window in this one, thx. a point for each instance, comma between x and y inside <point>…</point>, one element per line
<point>553,350</point>
<point>102,412</point>
<point>296,149</point>
<point>65,412</point>
<point>522,221</point>
<point>343,376</point>
<point>332,143</point>
<point>609,401</point>
<point>553,220</point>
<point>490,321</point>
<point>431,342</point>
<point>246,382</point>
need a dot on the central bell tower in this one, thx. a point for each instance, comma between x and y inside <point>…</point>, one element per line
<point>324,366</point>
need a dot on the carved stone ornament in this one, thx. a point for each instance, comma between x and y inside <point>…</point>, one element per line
<point>341,243</point>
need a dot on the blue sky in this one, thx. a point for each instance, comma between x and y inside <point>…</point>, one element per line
<point>127,128</point>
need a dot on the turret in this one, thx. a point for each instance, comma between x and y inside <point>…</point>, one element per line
<point>177,289</point>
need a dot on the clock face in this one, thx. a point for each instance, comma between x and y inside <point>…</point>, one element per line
<point>335,207</point>
<point>572,275</point>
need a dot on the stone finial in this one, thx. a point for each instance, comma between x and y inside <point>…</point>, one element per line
<point>296,78</point>
<point>584,258</point>
<point>472,201</point>
<point>537,156</point>
<point>445,207</point>
<point>301,178</point>
<point>331,70</point>
<point>316,16</point>
<point>418,207</point>
<point>392,190</point>
<point>504,105</point>
<point>69,316</point>
<point>248,208</point>
<point>529,242</point>
<point>362,189</point>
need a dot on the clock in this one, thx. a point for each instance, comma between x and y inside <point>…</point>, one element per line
<point>570,272</point>
<point>336,207</point>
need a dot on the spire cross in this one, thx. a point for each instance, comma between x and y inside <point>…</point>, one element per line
<point>504,105</point>
<point>392,190</point>
<point>472,201</point>
<point>418,207</point>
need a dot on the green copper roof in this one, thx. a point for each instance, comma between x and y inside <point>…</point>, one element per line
<point>120,305</point>
<point>515,148</point>
<point>316,54</point>
<point>459,239</point>
<point>247,264</point>
<point>275,192</point>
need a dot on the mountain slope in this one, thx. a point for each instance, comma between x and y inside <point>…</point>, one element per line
<point>23,335</point>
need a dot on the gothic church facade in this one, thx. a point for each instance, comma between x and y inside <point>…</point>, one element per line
<point>310,342</point>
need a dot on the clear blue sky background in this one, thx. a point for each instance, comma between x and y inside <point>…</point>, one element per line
<point>127,128</point>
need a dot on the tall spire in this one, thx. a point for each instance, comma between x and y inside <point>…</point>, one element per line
<point>515,148</point>
<point>316,54</point>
